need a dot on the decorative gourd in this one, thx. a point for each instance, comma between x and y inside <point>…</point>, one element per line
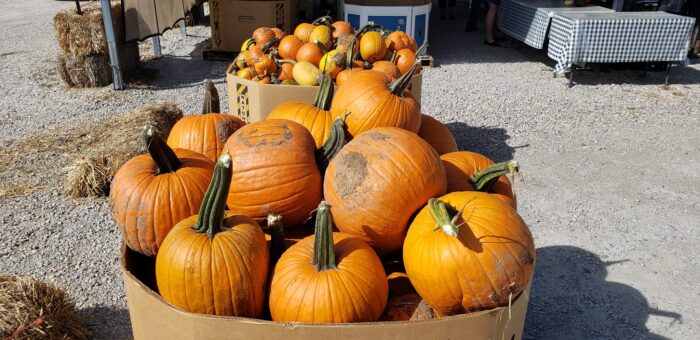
<point>306,73</point>
<point>285,68</point>
<point>437,135</point>
<point>470,171</point>
<point>246,73</point>
<point>468,251</point>
<point>310,52</point>
<point>397,40</point>
<point>341,28</point>
<point>404,59</point>
<point>378,180</point>
<point>265,66</point>
<point>372,47</point>
<point>247,44</point>
<point>332,63</point>
<point>205,133</point>
<point>310,285</point>
<point>274,171</point>
<point>242,59</point>
<point>322,35</point>
<point>150,193</point>
<point>387,68</point>
<point>374,102</point>
<point>263,35</point>
<point>289,46</point>
<point>303,31</point>
<point>215,262</point>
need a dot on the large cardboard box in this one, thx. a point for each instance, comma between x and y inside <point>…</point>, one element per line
<point>233,21</point>
<point>253,101</point>
<point>153,318</point>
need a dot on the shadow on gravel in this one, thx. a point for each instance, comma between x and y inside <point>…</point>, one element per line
<point>572,300</point>
<point>490,142</point>
<point>106,322</point>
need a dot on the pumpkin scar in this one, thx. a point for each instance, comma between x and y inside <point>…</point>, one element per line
<point>352,171</point>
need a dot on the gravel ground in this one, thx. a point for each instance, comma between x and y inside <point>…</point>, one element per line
<point>610,184</point>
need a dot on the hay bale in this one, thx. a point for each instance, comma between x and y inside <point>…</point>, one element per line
<point>91,70</point>
<point>88,177</point>
<point>32,309</point>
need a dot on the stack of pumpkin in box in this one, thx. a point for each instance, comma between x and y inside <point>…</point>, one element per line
<point>405,227</point>
<point>323,47</point>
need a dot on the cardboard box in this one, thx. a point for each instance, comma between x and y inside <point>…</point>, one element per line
<point>253,101</point>
<point>153,318</point>
<point>233,21</point>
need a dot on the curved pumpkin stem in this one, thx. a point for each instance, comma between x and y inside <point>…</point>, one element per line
<point>165,158</point>
<point>210,104</point>
<point>269,44</point>
<point>324,96</point>
<point>398,86</point>
<point>484,179</point>
<point>249,44</point>
<point>274,222</point>
<point>438,211</point>
<point>279,62</point>
<point>324,20</point>
<point>324,252</point>
<point>335,142</point>
<point>211,213</point>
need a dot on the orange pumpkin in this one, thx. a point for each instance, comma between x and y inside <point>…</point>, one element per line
<point>279,33</point>
<point>274,171</point>
<point>387,68</point>
<point>264,66</point>
<point>437,135</point>
<point>311,53</point>
<point>374,102</point>
<point>289,46</point>
<point>206,133</point>
<point>215,262</point>
<point>404,59</point>
<point>468,251</point>
<point>470,171</point>
<point>341,28</point>
<point>378,180</point>
<point>284,71</point>
<point>397,41</point>
<point>151,193</point>
<point>246,73</point>
<point>303,31</point>
<point>372,47</point>
<point>344,75</point>
<point>322,35</point>
<point>310,285</point>
<point>263,35</point>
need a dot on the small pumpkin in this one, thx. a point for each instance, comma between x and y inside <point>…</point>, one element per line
<point>404,59</point>
<point>303,31</point>
<point>215,262</point>
<point>306,73</point>
<point>437,135</point>
<point>310,52</point>
<point>259,50</point>
<point>332,63</point>
<point>150,193</point>
<point>341,28</point>
<point>279,33</point>
<point>289,46</point>
<point>328,278</point>
<point>372,47</point>
<point>470,171</point>
<point>468,251</point>
<point>344,75</point>
<point>262,79</point>
<point>246,73</point>
<point>394,162</point>
<point>263,35</point>
<point>264,66</point>
<point>388,68</point>
<point>285,68</point>
<point>242,59</point>
<point>322,35</point>
<point>397,40</point>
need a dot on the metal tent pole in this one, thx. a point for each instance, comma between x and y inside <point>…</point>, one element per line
<point>156,45</point>
<point>112,45</point>
<point>183,29</point>
<point>618,5</point>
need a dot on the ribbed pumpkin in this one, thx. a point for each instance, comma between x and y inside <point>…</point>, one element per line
<point>274,171</point>
<point>437,135</point>
<point>378,180</point>
<point>468,251</point>
<point>263,35</point>
<point>303,31</point>
<point>387,68</point>
<point>151,193</point>
<point>372,47</point>
<point>328,278</point>
<point>205,133</point>
<point>285,69</point>
<point>322,35</point>
<point>311,53</point>
<point>265,66</point>
<point>289,46</point>
<point>344,75</point>
<point>470,171</point>
<point>397,40</point>
<point>404,59</point>
<point>279,33</point>
<point>341,28</point>
<point>374,102</point>
<point>216,262</point>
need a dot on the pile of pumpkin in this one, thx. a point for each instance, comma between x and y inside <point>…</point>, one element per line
<point>405,227</point>
<point>271,56</point>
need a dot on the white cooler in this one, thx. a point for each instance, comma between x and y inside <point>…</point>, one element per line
<point>410,16</point>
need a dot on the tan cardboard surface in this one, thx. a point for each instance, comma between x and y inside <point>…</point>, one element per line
<point>233,21</point>
<point>153,318</point>
<point>253,101</point>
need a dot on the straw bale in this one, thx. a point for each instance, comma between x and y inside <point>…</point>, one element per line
<point>91,70</point>
<point>80,35</point>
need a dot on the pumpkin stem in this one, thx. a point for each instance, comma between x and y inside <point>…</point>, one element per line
<point>274,222</point>
<point>211,212</point>
<point>324,96</point>
<point>279,62</point>
<point>438,211</point>
<point>324,252</point>
<point>484,179</point>
<point>269,44</point>
<point>393,57</point>
<point>335,142</point>
<point>211,98</point>
<point>165,158</point>
<point>422,48</point>
<point>398,86</point>
<point>324,20</point>
<point>249,44</point>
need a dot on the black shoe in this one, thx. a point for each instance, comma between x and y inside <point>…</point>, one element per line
<point>443,18</point>
<point>470,27</point>
<point>452,18</point>
<point>493,43</point>
<point>500,39</point>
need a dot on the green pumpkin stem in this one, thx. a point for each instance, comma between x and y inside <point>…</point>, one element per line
<point>324,96</point>
<point>438,211</point>
<point>397,87</point>
<point>165,158</point>
<point>393,57</point>
<point>279,62</point>
<point>211,98</point>
<point>324,20</point>
<point>211,213</point>
<point>269,44</point>
<point>274,222</point>
<point>484,179</point>
<point>335,142</point>
<point>248,44</point>
<point>324,252</point>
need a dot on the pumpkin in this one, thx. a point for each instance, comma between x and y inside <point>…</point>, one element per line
<point>468,251</point>
<point>346,42</point>
<point>322,35</point>
<point>378,180</point>
<point>397,41</point>
<point>205,133</point>
<point>332,63</point>
<point>279,33</point>
<point>242,59</point>
<point>328,278</point>
<point>437,135</point>
<point>303,31</point>
<point>262,79</point>
<point>372,47</point>
<point>247,44</point>
<point>263,35</point>
<point>259,50</point>
<point>341,28</point>
<point>215,262</point>
<point>470,171</point>
<point>289,46</point>
<point>404,59</point>
<point>306,73</point>
<point>285,68</point>
<point>264,66</point>
<point>246,73</point>
<point>311,53</point>
<point>387,68</point>
<point>374,102</point>
<point>274,170</point>
<point>344,75</point>
<point>151,193</point>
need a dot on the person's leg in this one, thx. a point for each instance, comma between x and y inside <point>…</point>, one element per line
<point>491,23</point>
<point>474,7</point>
<point>441,5</point>
<point>451,9</point>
